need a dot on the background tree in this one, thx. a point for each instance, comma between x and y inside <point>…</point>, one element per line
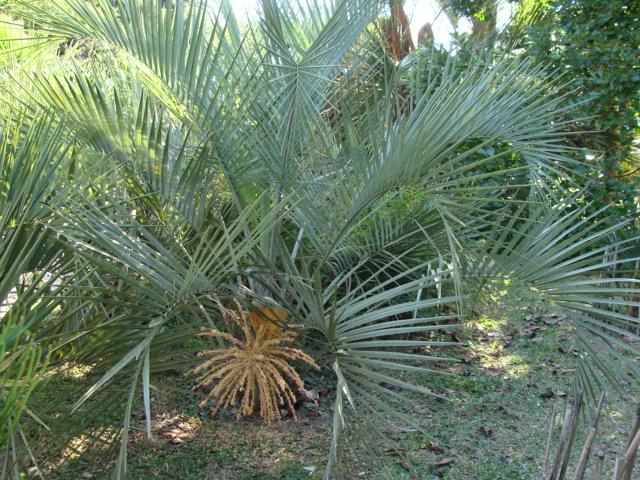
<point>596,45</point>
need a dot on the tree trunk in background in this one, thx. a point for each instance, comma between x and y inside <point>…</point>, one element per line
<point>484,25</point>
<point>398,41</point>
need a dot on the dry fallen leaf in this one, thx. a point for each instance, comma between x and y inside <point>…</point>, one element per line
<point>434,447</point>
<point>407,430</point>
<point>562,371</point>
<point>506,411</point>
<point>446,391</point>
<point>443,462</point>
<point>571,349</point>
<point>394,452</point>
<point>389,386</point>
<point>547,394</point>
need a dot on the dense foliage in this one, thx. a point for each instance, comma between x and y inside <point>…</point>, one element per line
<point>595,45</point>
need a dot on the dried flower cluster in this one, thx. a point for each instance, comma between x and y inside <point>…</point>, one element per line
<point>253,371</point>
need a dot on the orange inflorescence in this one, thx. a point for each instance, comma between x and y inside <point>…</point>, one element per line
<point>253,372</point>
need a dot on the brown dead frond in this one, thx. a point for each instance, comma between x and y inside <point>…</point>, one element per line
<point>252,373</point>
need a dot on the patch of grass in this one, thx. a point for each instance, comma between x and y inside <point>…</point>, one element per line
<point>494,426</point>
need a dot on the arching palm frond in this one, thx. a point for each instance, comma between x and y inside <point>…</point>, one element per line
<point>578,262</point>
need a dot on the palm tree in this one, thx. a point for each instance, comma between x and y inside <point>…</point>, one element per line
<point>207,161</point>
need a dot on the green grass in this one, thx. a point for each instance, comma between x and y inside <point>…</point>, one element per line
<point>494,427</point>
